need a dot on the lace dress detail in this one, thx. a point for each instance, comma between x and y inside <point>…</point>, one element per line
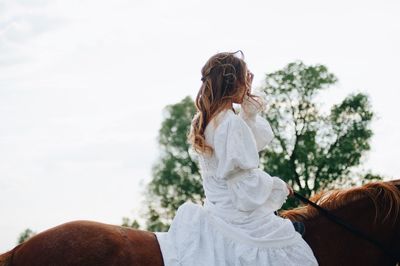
<point>236,225</point>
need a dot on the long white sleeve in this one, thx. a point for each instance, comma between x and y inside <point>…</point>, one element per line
<point>238,163</point>
<point>260,128</point>
<point>250,113</point>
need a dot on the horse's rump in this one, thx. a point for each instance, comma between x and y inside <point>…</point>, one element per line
<point>5,258</point>
<point>87,243</point>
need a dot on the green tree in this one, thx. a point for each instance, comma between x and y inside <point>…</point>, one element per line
<point>176,176</point>
<point>311,150</point>
<point>130,223</point>
<point>25,235</point>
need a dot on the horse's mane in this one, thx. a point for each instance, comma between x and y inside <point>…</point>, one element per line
<point>385,196</point>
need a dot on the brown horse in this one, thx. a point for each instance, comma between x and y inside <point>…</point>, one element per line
<point>373,208</point>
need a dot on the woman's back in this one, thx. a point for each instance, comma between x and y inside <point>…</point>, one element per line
<point>236,225</point>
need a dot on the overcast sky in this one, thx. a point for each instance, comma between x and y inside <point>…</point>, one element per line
<point>83,84</point>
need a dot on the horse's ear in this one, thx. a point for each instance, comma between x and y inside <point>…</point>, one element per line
<point>396,183</point>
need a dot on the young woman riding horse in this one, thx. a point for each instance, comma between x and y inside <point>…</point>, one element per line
<point>374,208</point>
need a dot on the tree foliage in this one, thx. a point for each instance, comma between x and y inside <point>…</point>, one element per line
<point>176,176</point>
<point>130,223</point>
<point>25,235</point>
<point>311,150</point>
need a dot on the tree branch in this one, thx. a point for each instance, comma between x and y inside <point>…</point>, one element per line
<point>322,164</point>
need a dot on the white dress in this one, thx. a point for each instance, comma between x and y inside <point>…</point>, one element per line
<point>236,225</point>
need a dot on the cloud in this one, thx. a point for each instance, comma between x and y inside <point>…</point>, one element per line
<point>20,25</point>
<point>21,28</point>
<point>33,3</point>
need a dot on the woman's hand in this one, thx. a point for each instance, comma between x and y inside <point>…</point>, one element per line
<point>252,105</point>
<point>249,82</point>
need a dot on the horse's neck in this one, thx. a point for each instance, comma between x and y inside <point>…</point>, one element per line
<point>326,237</point>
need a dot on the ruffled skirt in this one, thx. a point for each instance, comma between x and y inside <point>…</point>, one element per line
<point>198,237</point>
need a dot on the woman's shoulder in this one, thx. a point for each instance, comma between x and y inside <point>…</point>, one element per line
<point>225,122</point>
<point>222,119</point>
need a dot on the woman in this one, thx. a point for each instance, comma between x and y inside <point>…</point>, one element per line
<point>237,224</point>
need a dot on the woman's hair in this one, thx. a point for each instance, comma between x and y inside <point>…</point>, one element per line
<point>224,75</point>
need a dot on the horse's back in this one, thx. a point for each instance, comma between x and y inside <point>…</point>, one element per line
<point>89,243</point>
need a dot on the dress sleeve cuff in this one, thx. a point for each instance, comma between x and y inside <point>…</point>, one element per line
<point>250,189</point>
<point>248,116</point>
<point>278,195</point>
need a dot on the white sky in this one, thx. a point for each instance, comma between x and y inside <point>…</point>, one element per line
<point>83,84</point>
